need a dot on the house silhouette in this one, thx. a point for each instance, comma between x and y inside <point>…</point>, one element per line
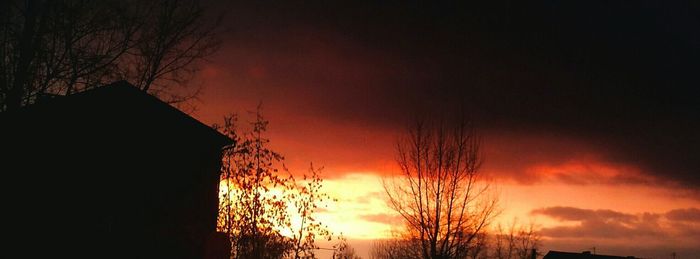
<point>583,255</point>
<point>108,173</point>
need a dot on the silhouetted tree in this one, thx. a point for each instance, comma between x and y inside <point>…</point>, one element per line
<point>306,197</point>
<point>439,195</point>
<point>60,47</point>
<point>248,214</point>
<point>515,242</point>
<point>174,35</point>
<point>259,198</point>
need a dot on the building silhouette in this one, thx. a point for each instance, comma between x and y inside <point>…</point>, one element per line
<point>583,255</point>
<point>108,173</point>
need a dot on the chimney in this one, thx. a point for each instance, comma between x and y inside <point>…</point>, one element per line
<point>533,253</point>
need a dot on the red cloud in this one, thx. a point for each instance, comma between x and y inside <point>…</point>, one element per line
<point>576,214</point>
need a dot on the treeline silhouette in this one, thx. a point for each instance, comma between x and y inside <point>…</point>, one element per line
<point>447,209</point>
<point>61,47</point>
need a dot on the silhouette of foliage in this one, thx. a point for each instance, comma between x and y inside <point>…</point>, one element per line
<point>65,46</point>
<point>438,194</point>
<point>263,209</point>
<point>343,250</point>
<point>306,197</point>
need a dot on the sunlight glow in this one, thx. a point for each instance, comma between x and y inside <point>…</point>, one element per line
<point>359,213</point>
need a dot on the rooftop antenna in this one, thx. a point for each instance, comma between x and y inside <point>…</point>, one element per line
<point>593,249</point>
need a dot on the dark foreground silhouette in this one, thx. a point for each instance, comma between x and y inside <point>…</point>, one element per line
<point>108,173</point>
<point>583,255</point>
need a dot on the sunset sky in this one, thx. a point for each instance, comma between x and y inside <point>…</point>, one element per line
<point>589,111</point>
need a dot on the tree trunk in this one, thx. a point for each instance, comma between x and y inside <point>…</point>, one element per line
<point>26,55</point>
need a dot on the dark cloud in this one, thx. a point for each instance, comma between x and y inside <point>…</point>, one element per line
<point>620,77</point>
<point>609,224</point>
<point>576,214</point>
<point>688,215</point>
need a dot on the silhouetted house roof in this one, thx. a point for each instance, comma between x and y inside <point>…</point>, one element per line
<point>584,255</point>
<point>116,102</point>
<point>108,173</point>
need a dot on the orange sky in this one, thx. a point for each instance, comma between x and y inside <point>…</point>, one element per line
<point>568,143</point>
<point>529,172</point>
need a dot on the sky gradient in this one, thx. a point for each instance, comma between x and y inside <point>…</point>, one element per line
<point>588,111</point>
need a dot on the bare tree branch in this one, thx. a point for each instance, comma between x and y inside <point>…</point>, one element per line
<point>66,46</point>
<point>439,193</point>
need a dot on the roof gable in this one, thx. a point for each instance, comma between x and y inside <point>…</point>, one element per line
<point>129,109</point>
